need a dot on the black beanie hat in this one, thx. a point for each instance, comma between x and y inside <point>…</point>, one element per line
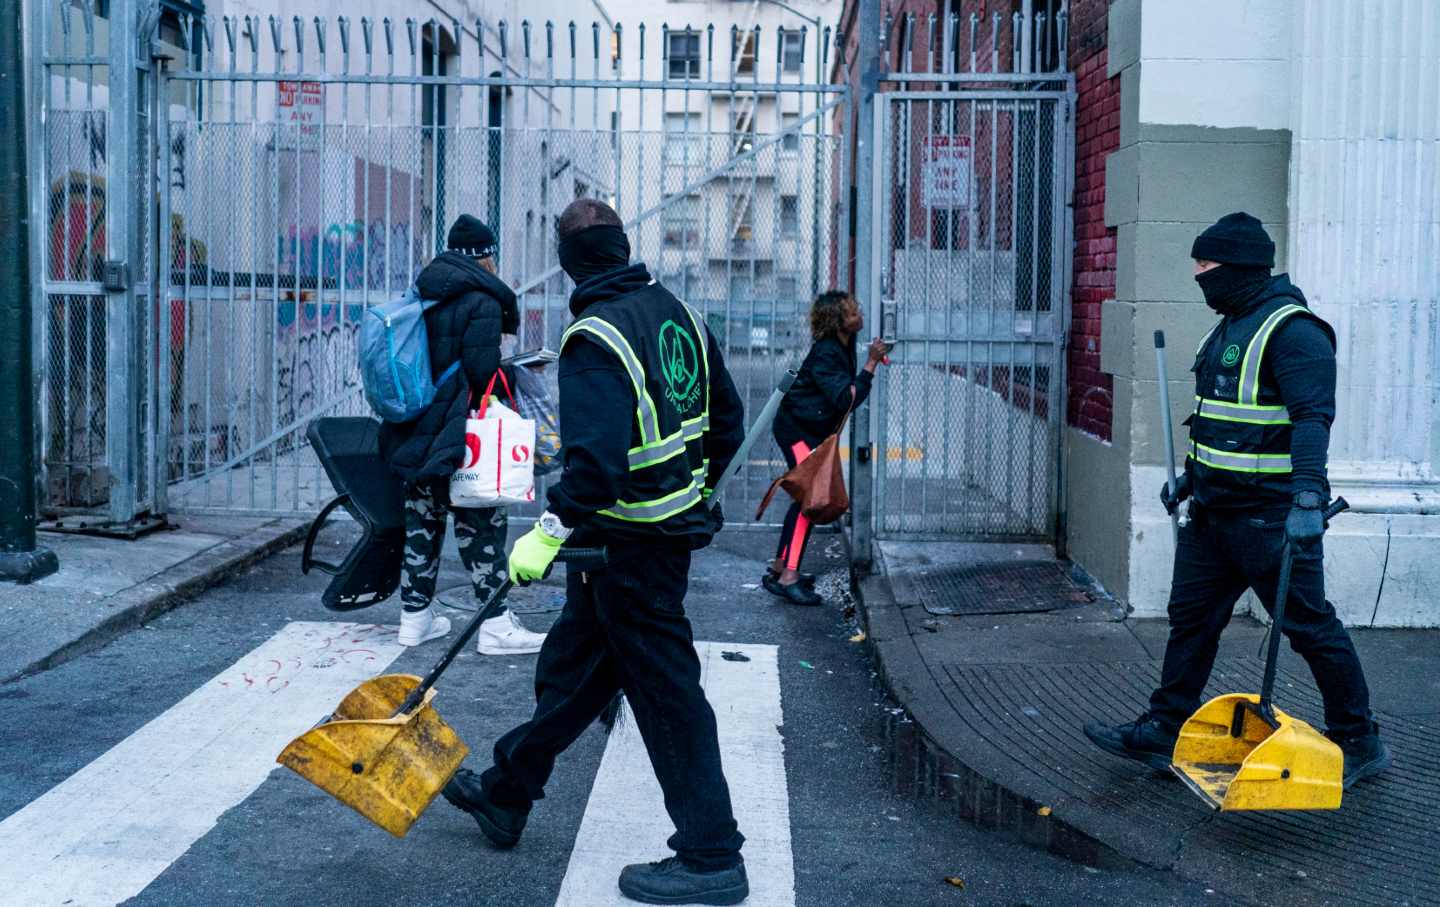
<point>471,237</point>
<point>1236,239</point>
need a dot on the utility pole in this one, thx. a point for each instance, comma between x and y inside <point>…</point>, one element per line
<point>21,560</point>
<point>867,220</point>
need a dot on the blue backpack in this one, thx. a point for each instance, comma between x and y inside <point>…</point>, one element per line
<point>395,358</point>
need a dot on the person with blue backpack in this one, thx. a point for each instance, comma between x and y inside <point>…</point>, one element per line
<point>424,359</point>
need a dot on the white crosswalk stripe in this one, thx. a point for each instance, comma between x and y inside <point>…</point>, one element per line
<point>109,830</point>
<point>625,819</point>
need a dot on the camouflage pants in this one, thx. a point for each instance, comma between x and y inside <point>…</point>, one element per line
<point>479,532</point>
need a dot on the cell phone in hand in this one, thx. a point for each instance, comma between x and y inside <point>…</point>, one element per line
<point>538,357</point>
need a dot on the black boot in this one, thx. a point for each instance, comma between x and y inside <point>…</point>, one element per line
<point>501,824</point>
<point>1366,755</point>
<point>1145,740</point>
<point>670,881</point>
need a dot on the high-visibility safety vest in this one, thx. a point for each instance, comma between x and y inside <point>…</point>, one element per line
<point>663,346</point>
<point>1240,429</point>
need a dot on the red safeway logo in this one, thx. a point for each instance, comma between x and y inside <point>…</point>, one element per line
<point>472,444</point>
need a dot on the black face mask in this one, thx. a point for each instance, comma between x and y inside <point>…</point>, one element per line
<point>594,251</point>
<point>1228,287</point>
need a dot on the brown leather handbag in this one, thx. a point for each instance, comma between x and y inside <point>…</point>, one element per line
<point>817,482</point>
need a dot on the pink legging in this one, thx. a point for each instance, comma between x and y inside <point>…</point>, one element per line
<point>796,532</point>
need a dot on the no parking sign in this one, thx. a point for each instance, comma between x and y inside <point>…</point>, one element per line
<point>945,174</point>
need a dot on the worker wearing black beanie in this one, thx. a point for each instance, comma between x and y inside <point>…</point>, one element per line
<point>1256,481</point>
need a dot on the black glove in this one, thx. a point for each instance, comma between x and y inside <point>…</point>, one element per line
<point>716,515</point>
<point>1306,523</point>
<point>1182,491</point>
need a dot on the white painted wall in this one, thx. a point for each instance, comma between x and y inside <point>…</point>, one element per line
<point>1218,63</point>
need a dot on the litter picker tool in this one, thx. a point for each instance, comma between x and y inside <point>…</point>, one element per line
<point>385,752</point>
<point>1168,422</point>
<point>1239,752</point>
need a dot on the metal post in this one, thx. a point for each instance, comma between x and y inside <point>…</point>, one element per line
<point>122,257</point>
<point>866,224</point>
<point>21,560</point>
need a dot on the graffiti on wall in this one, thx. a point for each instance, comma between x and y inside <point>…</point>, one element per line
<point>378,255</point>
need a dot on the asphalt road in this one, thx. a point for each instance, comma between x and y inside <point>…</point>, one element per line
<point>854,840</point>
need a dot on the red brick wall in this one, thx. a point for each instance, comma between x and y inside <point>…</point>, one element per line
<point>1097,133</point>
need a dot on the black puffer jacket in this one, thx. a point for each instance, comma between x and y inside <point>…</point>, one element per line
<point>476,307</point>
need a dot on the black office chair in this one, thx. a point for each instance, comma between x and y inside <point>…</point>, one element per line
<point>349,449</point>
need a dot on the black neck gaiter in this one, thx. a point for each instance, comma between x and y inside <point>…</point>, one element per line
<point>1229,287</point>
<point>594,251</point>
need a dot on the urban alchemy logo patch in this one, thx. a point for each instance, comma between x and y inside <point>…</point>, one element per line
<point>1231,355</point>
<point>679,366</point>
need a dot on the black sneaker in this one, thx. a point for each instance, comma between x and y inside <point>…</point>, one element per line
<point>1366,756</point>
<point>672,882</point>
<point>501,824</point>
<point>796,593</point>
<point>1145,740</point>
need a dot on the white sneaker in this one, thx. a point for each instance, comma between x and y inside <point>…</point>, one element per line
<point>421,626</point>
<point>505,635</point>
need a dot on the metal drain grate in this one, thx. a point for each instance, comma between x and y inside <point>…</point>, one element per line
<point>1012,587</point>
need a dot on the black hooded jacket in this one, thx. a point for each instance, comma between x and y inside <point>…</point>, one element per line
<point>476,307</point>
<point>822,393</point>
<point>597,416</point>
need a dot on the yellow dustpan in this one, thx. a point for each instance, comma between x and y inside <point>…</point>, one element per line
<point>385,752</point>
<point>1240,752</point>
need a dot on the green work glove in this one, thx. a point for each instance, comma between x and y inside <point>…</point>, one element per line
<point>532,555</point>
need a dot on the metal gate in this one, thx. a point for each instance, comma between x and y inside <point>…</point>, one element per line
<point>972,279</point>
<point>304,169</point>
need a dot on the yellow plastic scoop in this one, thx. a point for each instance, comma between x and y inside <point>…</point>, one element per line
<point>386,767</point>
<point>1240,752</point>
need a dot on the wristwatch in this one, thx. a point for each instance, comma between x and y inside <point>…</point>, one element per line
<point>550,525</point>
<point>1308,500</point>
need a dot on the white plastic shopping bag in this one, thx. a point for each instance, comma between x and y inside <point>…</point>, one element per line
<point>499,463</point>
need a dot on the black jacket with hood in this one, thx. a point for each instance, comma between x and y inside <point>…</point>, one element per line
<point>597,407</point>
<point>476,308</point>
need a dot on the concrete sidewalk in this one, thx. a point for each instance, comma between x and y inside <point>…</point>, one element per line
<point>106,587</point>
<point>1000,699</point>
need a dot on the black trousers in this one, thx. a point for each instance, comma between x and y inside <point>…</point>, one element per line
<point>624,628</point>
<point>1221,554</point>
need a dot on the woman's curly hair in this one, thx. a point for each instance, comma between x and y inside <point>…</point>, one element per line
<point>827,315</point>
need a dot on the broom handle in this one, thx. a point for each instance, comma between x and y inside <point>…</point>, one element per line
<point>757,429</point>
<point>1282,594</point>
<point>1167,423</point>
<point>591,556</point>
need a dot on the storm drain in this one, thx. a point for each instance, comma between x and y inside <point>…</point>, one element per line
<point>1012,587</point>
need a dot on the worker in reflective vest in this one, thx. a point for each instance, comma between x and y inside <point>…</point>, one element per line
<point>1255,477</point>
<point>649,420</point>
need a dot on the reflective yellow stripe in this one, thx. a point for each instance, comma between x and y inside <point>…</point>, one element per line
<point>608,334</point>
<point>1240,462</point>
<point>659,509</point>
<point>1255,353</point>
<point>1238,412</point>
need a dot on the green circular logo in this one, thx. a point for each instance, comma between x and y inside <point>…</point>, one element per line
<point>679,365</point>
<point>1232,355</point>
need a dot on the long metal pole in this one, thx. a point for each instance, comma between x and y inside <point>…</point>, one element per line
<point>21,560</point>
<point>122,362</point>
<point>862,494</point>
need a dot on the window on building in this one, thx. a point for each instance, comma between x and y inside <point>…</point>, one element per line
<point>614,49</point>
<point>791,141</point>
<point>742,289</point>
<point>792,50</point>
<point>682,146</point>
<point>789,216</point>
<point>684,55</point>
<point>680,223</point>
<point>787,289</point>
<point>744,52</point>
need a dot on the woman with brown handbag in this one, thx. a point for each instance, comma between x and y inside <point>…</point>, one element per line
<point>826,390</point>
